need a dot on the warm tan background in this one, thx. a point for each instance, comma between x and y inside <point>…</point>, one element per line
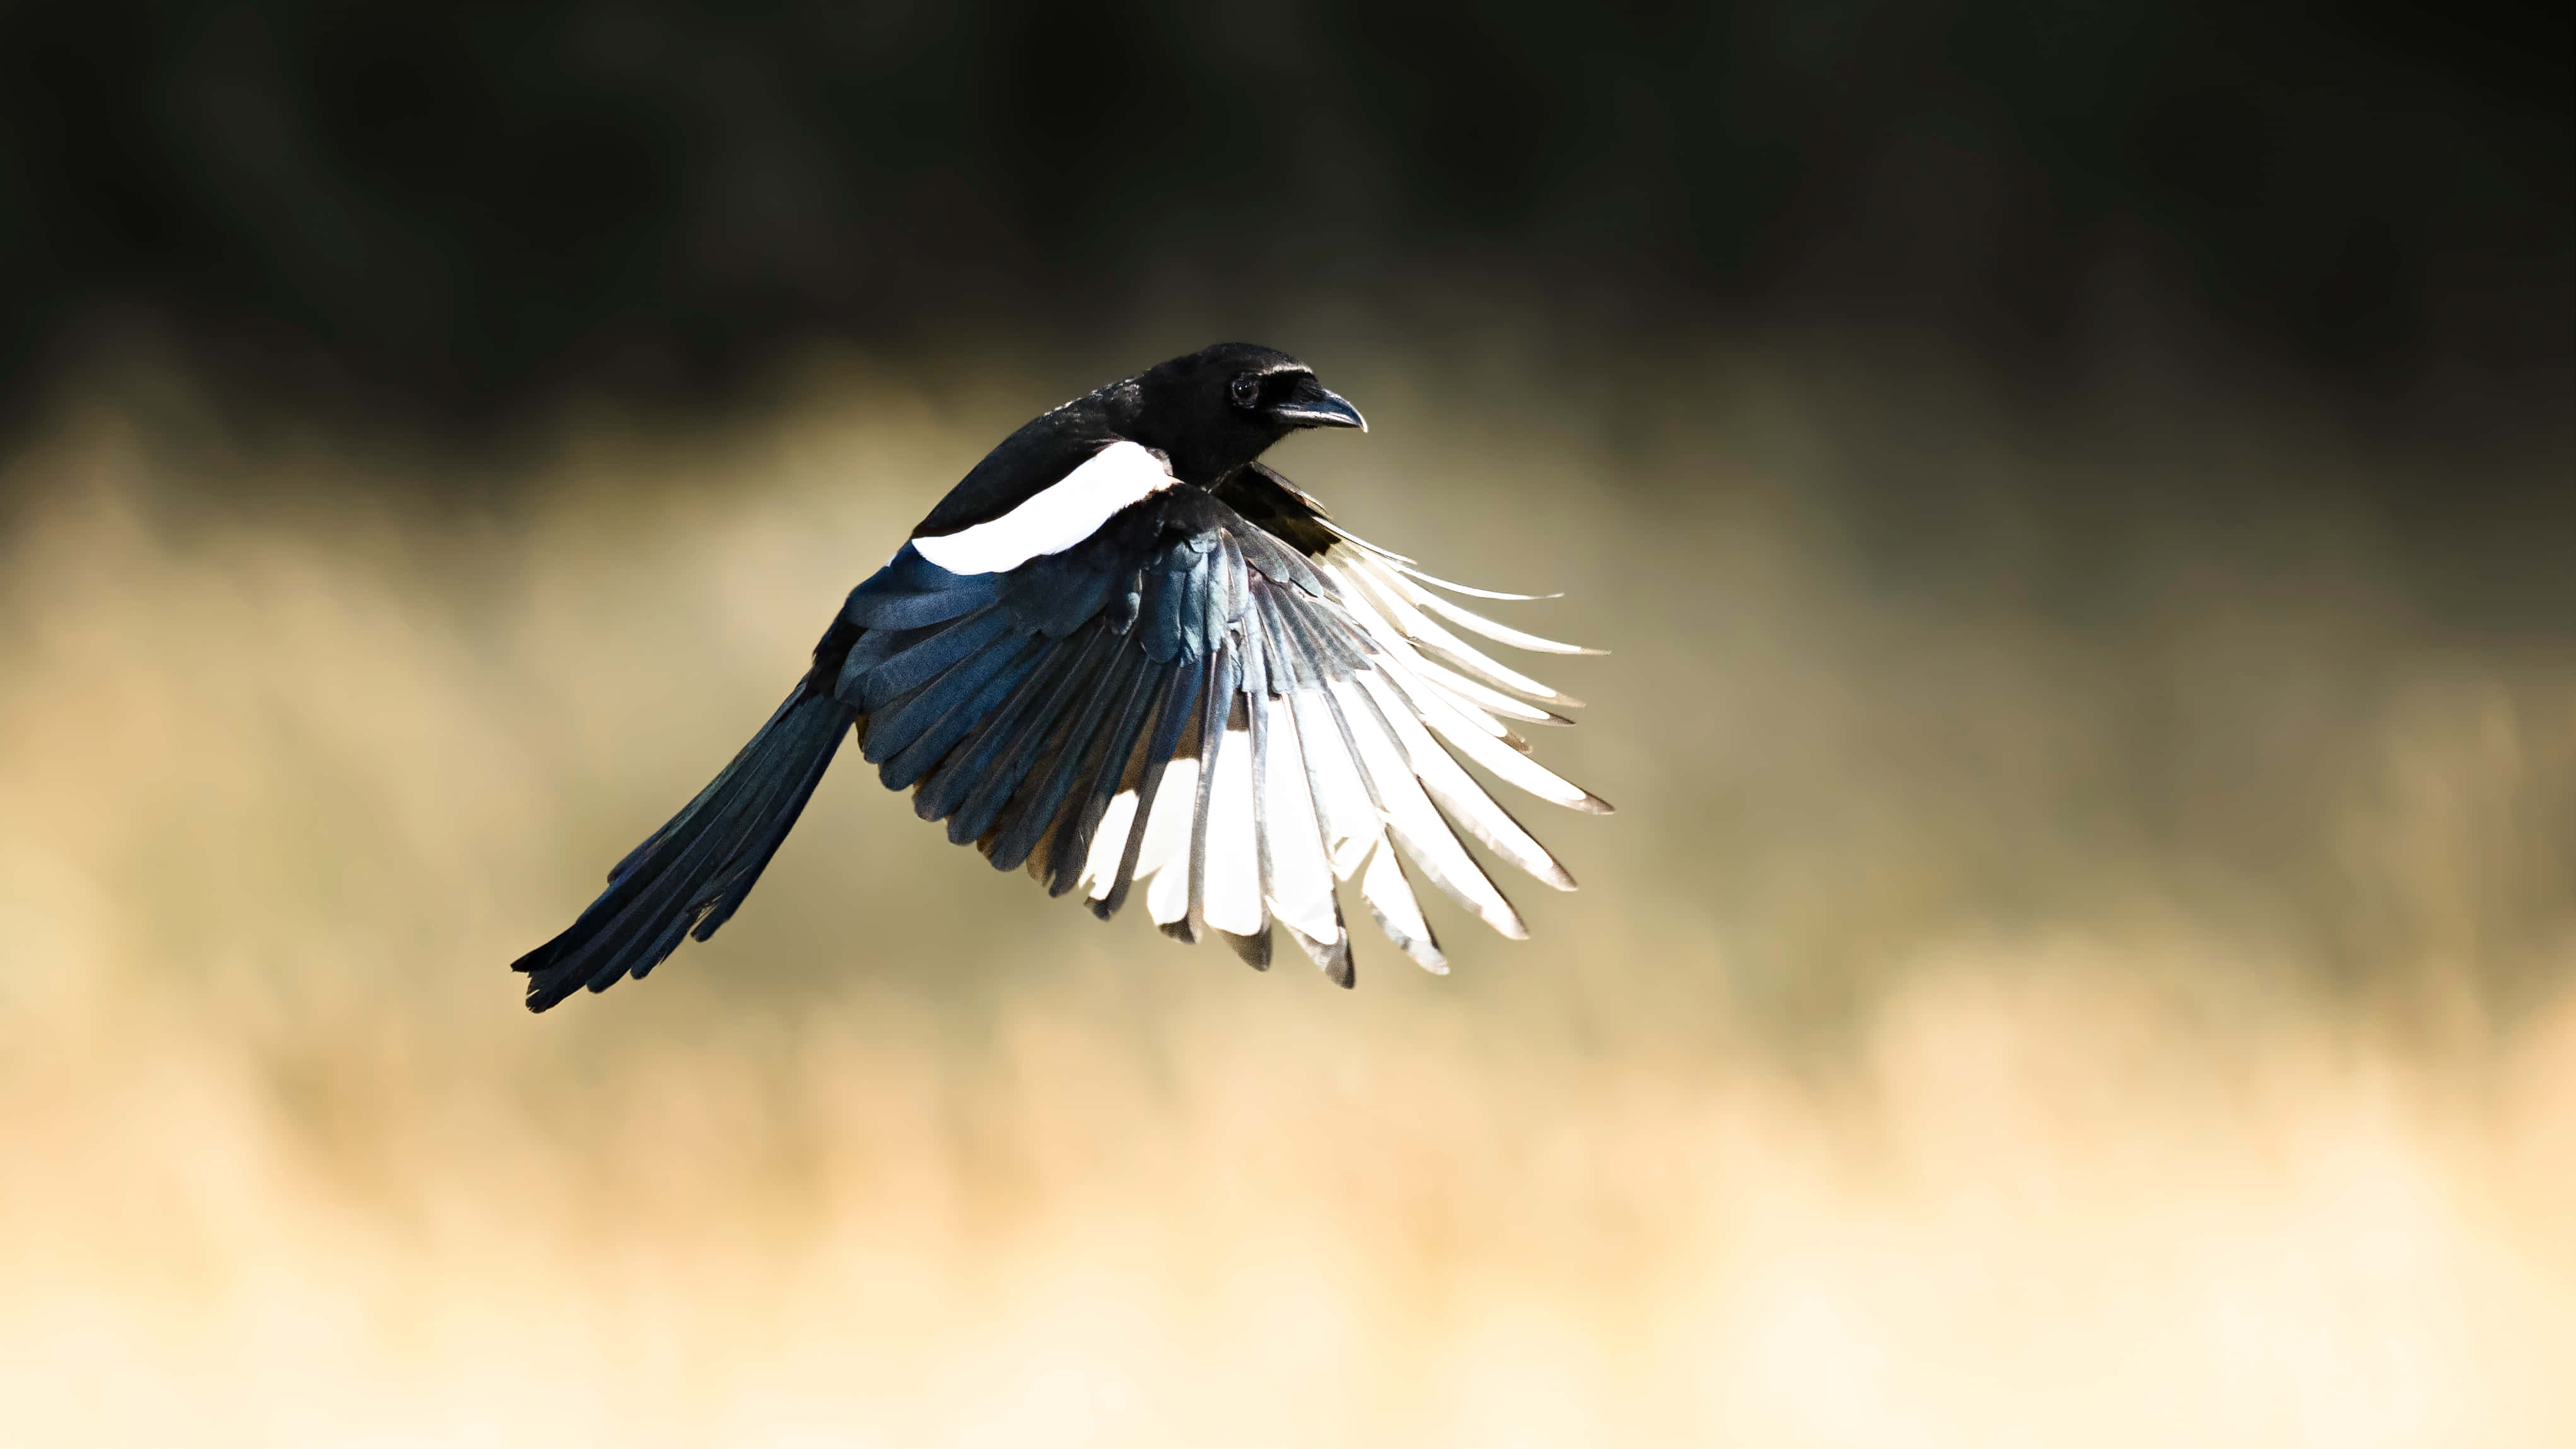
<point>2082,499</point>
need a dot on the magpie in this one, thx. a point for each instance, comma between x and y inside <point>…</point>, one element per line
<point>1124,652</point>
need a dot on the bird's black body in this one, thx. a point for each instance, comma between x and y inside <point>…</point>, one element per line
<point>1112,599</point>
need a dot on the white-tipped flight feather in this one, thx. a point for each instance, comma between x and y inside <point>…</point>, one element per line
<point>1301,874</point>
<point>1471,591</point>
<point>1166,852</point>
<point>1323,775</point>
<point>1389,897</point>
<point>1403,621</point>
<point>1478,623</point>
<point>1413,820</point>
<point>1230,896</point>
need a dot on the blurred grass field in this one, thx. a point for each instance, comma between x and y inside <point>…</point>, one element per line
<point>2084,956</point>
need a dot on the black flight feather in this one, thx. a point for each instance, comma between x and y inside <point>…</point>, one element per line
<point>1118,759</point>
<point>955,777</point>
<point>911,735</point>
<point>1212,717</point>
<point>999,776</point>
<point>1171,727</point>
<point>1028,820</point>
<point>928,659</point>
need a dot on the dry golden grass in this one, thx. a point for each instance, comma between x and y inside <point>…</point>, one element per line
<point>2057,977</point>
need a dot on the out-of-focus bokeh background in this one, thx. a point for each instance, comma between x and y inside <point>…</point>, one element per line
<point>2080,496</point>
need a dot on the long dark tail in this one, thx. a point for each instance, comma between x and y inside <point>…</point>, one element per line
<point>692,873</point>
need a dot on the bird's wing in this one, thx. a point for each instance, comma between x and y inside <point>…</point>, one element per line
<point>1234,714</point>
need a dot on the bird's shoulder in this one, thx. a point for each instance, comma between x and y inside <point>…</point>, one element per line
<point>1184,534</point>
<point>1033,459</point>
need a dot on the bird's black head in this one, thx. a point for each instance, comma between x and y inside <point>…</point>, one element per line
<point>1218,408</point>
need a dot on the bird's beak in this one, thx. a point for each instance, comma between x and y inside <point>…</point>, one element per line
<point>1313,405</point>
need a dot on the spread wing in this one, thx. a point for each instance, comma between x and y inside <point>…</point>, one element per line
<point>1222,699</point>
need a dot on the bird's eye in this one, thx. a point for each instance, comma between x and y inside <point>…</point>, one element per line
<point>1247,390</point>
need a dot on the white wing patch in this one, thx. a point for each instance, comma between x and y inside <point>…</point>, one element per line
<point>1064,514</point>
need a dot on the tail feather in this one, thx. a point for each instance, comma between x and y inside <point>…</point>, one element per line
<point>783,819</point>
<point>692,874</point>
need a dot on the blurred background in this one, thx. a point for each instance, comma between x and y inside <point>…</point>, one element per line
<point>2079,497</point>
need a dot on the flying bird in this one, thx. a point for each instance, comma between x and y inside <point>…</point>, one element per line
<point>1125,654</point>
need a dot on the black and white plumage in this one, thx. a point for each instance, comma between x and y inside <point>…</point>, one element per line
<point>1124,654</point>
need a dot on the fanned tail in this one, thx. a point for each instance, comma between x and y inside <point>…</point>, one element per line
<point>690,875</point>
